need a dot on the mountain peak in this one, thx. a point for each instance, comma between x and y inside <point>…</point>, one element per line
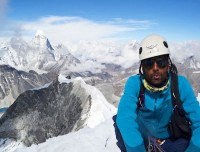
<point>41,41</point>
<point>40,33</point>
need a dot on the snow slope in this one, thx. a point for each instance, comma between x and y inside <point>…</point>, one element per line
<point>99,139</point>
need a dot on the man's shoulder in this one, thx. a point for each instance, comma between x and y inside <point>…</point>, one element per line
<point>134,80</point>
<point>133,83</point>
<point>183,81</point>
<point>134,77</point>
<point>182,78</point>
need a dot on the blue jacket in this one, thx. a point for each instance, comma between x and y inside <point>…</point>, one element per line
<point>153,119</point>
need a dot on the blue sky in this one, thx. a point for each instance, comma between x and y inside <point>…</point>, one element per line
<point>115,20</point>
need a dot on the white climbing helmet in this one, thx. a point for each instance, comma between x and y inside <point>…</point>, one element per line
<point>153,45</point>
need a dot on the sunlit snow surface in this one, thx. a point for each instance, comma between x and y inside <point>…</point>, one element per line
<point>98,139</point>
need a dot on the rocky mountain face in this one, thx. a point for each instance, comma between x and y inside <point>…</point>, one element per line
<point>191,69</point>
<point>14,82</point>
<point>57,109</point>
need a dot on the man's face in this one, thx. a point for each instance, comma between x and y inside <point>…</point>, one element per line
<point>156,70</point>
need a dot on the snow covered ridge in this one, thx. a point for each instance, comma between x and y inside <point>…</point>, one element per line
<point>99,139</point>
<point>198,98</point>
<point>58,109</point>
<point>100,110</point>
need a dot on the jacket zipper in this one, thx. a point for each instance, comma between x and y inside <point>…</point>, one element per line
<point>155,103</point>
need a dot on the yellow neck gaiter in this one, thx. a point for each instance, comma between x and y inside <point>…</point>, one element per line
<point>154,89</point>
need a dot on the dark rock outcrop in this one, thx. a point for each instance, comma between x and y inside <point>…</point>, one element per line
<point>37,115</point>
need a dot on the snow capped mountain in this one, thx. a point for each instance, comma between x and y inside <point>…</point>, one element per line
<point>192,63</point>
<point>38,55</point>
<point>41,42</point>
<point>63,106</point>
<point>101,62</point>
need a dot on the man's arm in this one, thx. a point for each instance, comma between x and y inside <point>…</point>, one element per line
<point>192,109</point>
<point>126,116</point>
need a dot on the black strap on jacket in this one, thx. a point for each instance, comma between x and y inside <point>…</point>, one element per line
<point>179,125</point>
<point>141,97</point>
<point>174,87</point>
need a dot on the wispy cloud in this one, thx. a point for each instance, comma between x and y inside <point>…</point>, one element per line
<point>3,11</point>
<point>93,54</point>
<point>4,8</point>
<point>183,50</point>
<point>64,28</point>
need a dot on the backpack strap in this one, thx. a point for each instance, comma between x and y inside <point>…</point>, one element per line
<point>140,103</point>
<point>179,125</point>
<point>174,87</point>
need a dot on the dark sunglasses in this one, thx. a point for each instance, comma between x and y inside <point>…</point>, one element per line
<point>149,63</point>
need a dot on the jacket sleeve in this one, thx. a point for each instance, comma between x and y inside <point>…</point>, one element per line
<point>126,116</point>
<point>192,109</point>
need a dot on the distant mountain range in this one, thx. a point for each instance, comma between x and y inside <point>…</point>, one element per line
<point>103,64</point>
<point>38,55</point>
